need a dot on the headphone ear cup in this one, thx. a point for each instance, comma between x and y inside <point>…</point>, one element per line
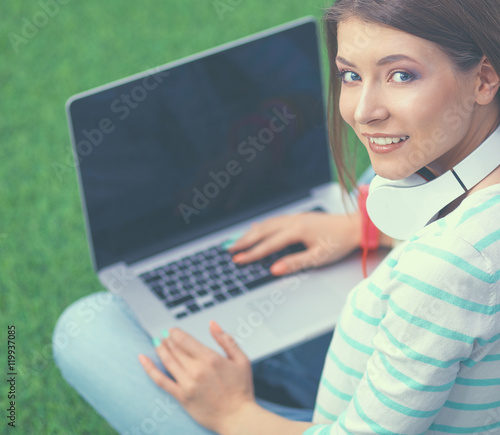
<point>396,210</point>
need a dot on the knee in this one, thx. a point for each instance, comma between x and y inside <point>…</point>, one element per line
<point>78,326</point>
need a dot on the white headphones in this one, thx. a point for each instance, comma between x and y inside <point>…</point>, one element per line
<point>400,208</point>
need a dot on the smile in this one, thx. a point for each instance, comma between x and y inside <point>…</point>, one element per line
<point>387,140</point>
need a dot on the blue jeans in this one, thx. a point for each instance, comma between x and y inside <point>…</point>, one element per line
<point>96,343</point>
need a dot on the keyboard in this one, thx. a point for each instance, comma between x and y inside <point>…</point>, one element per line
<point>209,277</point>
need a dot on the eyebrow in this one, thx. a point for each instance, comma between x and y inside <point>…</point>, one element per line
<point>384,61</point>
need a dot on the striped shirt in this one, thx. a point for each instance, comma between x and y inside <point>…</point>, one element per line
<point>417,346</point>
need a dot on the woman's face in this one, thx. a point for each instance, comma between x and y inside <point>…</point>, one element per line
<point>405,101</point>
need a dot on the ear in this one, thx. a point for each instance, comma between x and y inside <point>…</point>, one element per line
<point>488,82</point>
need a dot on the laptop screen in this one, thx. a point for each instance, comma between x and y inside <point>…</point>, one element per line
<point>196,146</point>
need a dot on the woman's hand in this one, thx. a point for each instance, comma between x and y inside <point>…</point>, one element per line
<point>211,388</point>
<point>327,237</point>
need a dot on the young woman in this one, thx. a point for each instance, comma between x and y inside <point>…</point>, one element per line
<point>417,348</point>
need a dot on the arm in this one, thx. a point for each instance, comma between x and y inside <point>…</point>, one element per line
<point>419,332</point>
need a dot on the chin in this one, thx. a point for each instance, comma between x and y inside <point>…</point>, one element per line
<point>393,172</point>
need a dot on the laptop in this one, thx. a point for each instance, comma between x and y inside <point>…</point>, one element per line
<point>176,162</point>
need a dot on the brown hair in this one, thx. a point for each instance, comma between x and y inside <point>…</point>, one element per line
<point>466,30</point>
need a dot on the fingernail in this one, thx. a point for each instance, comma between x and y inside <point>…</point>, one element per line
<point>279,268</point>
<point>165,333</point>
<point>156,341</point>
<point>216,327</point>
<point>238,257</point>
<point>229,243</point>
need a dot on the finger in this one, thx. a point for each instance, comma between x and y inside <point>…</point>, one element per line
<point>159,378</point>
<point>188,345</point>
<point>267,247</point>
<point>256,233</point>
<point>175,362</point>
<point>227,343</point>
<point>293,263</point>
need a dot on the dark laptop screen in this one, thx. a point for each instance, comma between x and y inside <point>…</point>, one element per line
<point>192,148</point>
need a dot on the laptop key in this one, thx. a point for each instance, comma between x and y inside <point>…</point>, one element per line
<point>235,292</point>
<point>220,297</point>
<point>153,278</point>
<point>258,282</point>
<point>193,308</point>
<point>179,301</point>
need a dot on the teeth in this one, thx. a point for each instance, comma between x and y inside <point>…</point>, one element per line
<point>387,140</point>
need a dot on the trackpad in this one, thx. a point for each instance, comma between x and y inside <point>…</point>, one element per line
<point>281,316</point>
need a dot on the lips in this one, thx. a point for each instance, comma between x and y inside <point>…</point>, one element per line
<point>385,145</point>
<point>387,140</point>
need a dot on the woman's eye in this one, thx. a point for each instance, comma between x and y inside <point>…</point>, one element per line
<point>402,77</point>
<point>349,76</point>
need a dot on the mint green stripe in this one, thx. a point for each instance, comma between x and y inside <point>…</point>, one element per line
<point>361,315</point>
<point>429,326</point>
<point>442,226</point>
<point>377,291</point>
<point>454,260</point>
<point>469,362</point>
<point>453,429</point>
<point>354,343</point>
<point>478,382</point>
<point>409,352</point>
<point>335,391</point>
<point>398,407</point>
<point>375,427</point>
<point>488,240</point>
<point>326,414</point>
<point>472,406</point>
<point>346,369</point>
<point>391,262</point>
<point>325,431</point>
<point>445,296</point>
<point>483,207</point>
<point>410,382</point>
<point>490,358</point>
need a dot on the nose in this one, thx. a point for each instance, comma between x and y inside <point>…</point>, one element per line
<point>371,106</point>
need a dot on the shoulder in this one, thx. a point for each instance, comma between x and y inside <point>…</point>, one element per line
<point>465,243</point>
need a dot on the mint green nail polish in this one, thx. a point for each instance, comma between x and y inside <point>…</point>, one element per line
<point>156,341</point>
<point>228,243</point>
<point>165,333</point>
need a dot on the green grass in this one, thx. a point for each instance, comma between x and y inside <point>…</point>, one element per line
<point>44,257</point>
